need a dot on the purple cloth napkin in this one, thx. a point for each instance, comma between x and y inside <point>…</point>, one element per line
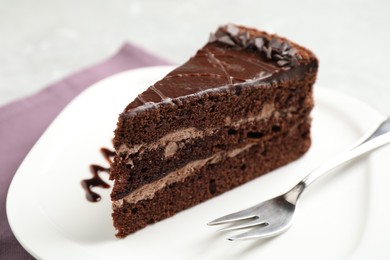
<point>22,123</point>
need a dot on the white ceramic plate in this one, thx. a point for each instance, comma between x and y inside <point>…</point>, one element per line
<point>341,216</point>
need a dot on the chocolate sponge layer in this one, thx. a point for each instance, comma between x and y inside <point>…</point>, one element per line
<point>212,180</point>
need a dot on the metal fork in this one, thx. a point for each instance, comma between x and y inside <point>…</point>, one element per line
<point>273,217</point>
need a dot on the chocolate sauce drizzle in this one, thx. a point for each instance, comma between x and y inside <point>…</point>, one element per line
<point>96,181</point>
<point>285,55</point>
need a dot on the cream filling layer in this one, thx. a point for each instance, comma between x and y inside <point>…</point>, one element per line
<point>175,140</point>
<point>169,141</point>
<point>149,190</point>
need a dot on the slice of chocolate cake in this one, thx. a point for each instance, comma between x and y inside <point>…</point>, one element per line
<point>238,109</point>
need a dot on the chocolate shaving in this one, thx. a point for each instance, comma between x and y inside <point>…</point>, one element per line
<point>244,38</point>
<point>274,49</point>
<point>276,44</point>
<point>278,57</point>
<point>267,51</point>
<point>286,47</point>
<point>227,40</point>
<point>212,37</point>
<point>292,52</point>
<point>259,42</point>
<point>232,30</point>
<point>281,63</point>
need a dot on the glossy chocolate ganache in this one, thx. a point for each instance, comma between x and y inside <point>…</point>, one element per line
<point>233,56</point>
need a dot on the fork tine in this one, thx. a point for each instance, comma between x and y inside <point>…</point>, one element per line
<point>260,232</point>
<point>255,222</point>
<point>239,215</point>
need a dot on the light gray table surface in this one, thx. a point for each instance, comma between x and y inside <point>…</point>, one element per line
<point>42,41</point>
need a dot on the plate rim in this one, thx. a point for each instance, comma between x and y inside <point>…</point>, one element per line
<point>19,173</point>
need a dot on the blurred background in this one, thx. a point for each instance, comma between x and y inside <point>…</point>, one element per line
<point>43,41</point>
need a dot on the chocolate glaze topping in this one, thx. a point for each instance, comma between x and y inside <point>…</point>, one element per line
<point>96,181</point>
<point>233,56</point>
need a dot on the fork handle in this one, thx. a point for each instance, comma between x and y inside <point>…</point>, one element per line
<point>378,138</point>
